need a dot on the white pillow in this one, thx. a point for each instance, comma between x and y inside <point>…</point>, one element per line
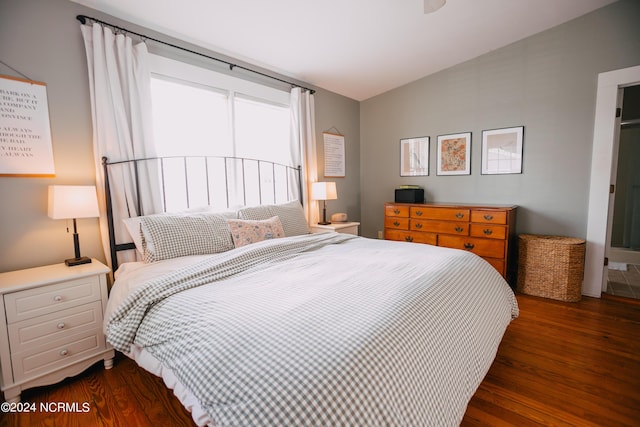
<point>166,236</point>
<point>291,216</point>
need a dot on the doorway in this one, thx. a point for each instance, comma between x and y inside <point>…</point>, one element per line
<point>605,136</point>
<point>623,276</point>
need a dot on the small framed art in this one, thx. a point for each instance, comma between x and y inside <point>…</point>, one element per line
<point>502,151</point>
<point>454,154</point>
<point>414,156</point>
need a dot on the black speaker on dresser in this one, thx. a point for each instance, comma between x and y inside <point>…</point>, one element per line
<point>409,195</point>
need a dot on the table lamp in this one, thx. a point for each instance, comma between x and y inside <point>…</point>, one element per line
<point>72,202</point>
<point>324,191</point>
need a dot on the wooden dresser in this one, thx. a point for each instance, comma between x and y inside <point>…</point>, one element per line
<point>486,230</point>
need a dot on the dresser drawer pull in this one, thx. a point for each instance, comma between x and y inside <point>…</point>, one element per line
<point>64,352</point>
<point>418,225</point>
<point>488,217</point>
<point>459,215</point>
<point>459,229</point>
<point>396,211</point>
<point>487,231</point>
<point>469,246</point>
<point>61,325</point>
<point>57,298</point>
<point>396,223</point>
<point>408,239</point>
<point>419,213</point>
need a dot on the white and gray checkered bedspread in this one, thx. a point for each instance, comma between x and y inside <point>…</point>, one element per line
<point>324,330</point>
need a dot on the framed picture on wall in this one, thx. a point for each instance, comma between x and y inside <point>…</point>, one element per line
<point>414,156</point>
<point>25,139</point>
<point>454,154</point>
<point>502,151</point>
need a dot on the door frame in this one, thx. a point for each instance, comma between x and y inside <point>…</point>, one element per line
<point>605,133</point>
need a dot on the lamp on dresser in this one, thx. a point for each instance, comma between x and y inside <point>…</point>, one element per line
<point>73,202</point>
<point>324,191</point>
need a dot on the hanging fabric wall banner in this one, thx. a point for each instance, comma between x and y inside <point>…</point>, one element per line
<point>334,163</point>
<point>25,132</point>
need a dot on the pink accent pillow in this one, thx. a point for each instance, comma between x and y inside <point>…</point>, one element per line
<point>245,232</point>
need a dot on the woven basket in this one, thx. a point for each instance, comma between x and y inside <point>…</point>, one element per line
<point>551,266</point>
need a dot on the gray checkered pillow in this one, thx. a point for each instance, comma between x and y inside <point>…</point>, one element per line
<point>171,236</point>
<point>291,216</point>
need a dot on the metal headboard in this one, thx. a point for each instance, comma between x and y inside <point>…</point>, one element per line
<point>239,164</point>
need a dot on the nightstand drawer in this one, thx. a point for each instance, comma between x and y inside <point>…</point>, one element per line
<point>55,355</point>
<point>30,303</point>
<point>54,326</point>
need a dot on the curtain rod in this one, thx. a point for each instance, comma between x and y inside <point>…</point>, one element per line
<point>83,19</point>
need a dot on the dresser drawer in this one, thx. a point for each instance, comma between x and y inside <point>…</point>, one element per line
<point>34,302</point>
<point>447,227</point>
<point>409,236</point>
<point>395,210</point>
<point>54,326</point>
<point>489,231</point>
<point>489,217</point>
<point>397,223</point>
<point>55,355</point>
<point>447,214</point>
<point>482,247</point>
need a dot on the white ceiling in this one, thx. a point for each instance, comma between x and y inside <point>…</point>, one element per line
<point>357,48</point>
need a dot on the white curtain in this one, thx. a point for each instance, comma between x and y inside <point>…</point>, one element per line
<point>119,83</point>
<point>304,136</point>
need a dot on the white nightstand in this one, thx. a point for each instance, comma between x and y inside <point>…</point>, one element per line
<point>51,324</point>
<point>340,227</point>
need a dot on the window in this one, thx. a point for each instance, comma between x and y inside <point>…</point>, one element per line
<point>198,112</point>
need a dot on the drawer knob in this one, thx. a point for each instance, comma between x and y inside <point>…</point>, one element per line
<point>487,231</point>
<point>64,352</point>
<point>57,298</point>
<point>419,213</point>
<point>459,229</point>
<point>408,238</point>
<point>396,223</point>
<point>459,215</point>
<point>61,325</point>
<point>418,225</point>
<point>396,211</point>
<point>469,246</point>
<point>488,217</point>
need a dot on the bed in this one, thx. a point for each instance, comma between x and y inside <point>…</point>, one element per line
<point>270,325</point>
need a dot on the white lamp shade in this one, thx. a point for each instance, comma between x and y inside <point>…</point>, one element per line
<point>324,191</point>
<point>73,201</point>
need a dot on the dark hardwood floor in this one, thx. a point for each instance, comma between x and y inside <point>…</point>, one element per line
<point>559,364</point>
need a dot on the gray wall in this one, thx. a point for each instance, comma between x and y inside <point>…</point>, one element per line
<point>41,39</point>
<point>343,116</point>
<point>546,83</point>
